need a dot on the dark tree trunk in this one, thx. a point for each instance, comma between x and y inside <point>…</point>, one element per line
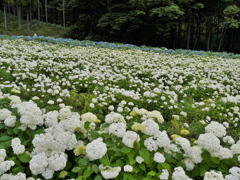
<point>5,15</point>
<point>19,17</point>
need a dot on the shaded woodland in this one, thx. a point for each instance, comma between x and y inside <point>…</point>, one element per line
<point>176,24</point>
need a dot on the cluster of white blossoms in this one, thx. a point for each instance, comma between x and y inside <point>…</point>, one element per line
<point>109,172</point>
<point>159,158</point>
<point>179,174</point>
<point>17,147</point>
<point>212,175</point>
<point>4,114</point>
<point>118,129</point>
<point>114,118</point>
<point>31,115</point>
<point>4,165</point>
<point>216,128</point>
<point>235,174</point>
<point>18,176</point>
<point>89,117</point>
<point>96,149</point>
<point>156,115</point>
<point>51,118</point>
<point>151,127</point>
<point>164,175</point>
<point>47,163</point>
<point>129,138</point>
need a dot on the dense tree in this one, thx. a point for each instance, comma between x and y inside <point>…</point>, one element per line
<point>190,24</point>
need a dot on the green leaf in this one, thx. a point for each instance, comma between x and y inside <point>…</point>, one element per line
<point>95,168</point>
<point>152,173</point>
<point>25,158</point>
<point>76,169</point>
<point>80,178</point>
<point>131,157</point>
<point>166,166</point>
<point>119,163</point>
<point>179,156</point>
<point>195,172</point>
<point>98,178</point>
<point>83,162</point>
<point>17,170</point>
<point>4,138</point>
<point>204,167</point>
<point>94,134</point>
<point>68,166</point>
<point>87,172</point>
<point>105,161</point>
<point>136,145</point>
<point>126,149</point>
<point>2,126</point>
<point>216,160</point>
<point>105,125</point>
<point>86,125</point>
<point>144,153</point>
<point>142,166</point>
<point>125,176</point>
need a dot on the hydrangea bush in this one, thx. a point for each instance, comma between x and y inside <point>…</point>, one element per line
<point>74,112</point>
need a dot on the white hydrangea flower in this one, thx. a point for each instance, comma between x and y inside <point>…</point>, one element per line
<point>179,174</point>
<point>89,117</point>
<point>228,139</point>
<point>162,140</point>
<point>139,159</point>
<point>3,155</point>
<point>48,173</point>
<point>159,158</point>
<point>31,115</point>
<point>17,147</point>
<point>96,149</point>
<point>4,114</point>
<point>129,137</point>
<point>70,124</point>
<point>184,143</point>
<point>38,163</point>
<point>10,121</point>
<point>216,128</point>
<point>14,100</point>
<point>128,168</point>
<point>151,127</point>
<point>189,164</point>
<point>224,153</point>
<point>57,161</point>
<point>164,175</point>
<point>64,113</point>
<point>212,175</point>
<point>235,173</point>
<point>194,153</point>
<point>18,176</point>
<point>114,118</point>
<point>235,148</point>
<point>156,115</point>
<point>150,144</point>
<point>5,166</point>
<point>51,118</point>
<point>209,142</point>
<point>118,129</point>
<point>109,172</point>
<point>55,139</point>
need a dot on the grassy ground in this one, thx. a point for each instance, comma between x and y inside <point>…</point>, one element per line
<point>38,27</point>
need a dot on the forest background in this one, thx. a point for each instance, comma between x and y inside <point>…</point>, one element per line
<point>175,24</point>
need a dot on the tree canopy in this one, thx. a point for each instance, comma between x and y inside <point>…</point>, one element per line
<point>187,24</point>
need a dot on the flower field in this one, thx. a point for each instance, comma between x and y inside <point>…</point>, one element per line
<point>88,110</point>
